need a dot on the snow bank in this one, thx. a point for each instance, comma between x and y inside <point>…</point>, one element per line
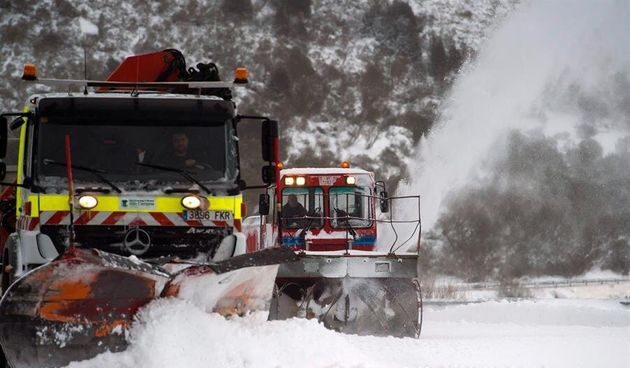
<point>565,312</point>
<point>174,333</point>
<point>571,333</point>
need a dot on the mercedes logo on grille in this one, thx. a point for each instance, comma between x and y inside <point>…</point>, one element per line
<point>137,241</point>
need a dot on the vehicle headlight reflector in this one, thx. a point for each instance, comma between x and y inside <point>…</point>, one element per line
<point>300,180</point>
<point>88,202</point>
<point>351,180</point>
<point>191,202</point>
<point>289,180</point>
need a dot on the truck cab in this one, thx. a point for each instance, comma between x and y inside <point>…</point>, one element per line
<point>329,209</point>
<point>339,209</point>
<point>134,193</point>
<point>131,168</point>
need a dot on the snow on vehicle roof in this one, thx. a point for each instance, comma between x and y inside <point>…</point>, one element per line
<point>323,171</point>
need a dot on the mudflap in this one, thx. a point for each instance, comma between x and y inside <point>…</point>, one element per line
<point>75,307</point>
<point>361,306</point>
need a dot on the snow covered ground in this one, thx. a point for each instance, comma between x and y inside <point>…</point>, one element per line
<point>543,333</point>
<point>596,284</point>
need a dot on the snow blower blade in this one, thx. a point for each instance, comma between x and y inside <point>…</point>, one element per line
<point>363,294</point>
<point>378,307</point>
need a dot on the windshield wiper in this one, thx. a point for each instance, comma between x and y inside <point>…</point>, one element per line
<point>96,172</point>
<point>310,223</point>
<point>181,172</point>
<point>345,221</point>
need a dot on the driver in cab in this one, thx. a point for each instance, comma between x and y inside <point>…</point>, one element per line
<point>181,156</point>
<point>293,212</point>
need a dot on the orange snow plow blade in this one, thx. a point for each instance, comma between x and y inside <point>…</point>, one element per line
<point>82,303</point>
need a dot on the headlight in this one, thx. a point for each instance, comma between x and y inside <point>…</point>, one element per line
<point>300,180</point>
<point>88,202</point>
<point>351,180</point>
<point>191,202</point>
<point>289,180</point>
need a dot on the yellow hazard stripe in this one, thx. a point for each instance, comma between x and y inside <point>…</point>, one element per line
<point>112,203</point>
<point>20,167</point>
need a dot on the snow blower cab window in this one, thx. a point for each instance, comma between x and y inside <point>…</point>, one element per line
<point>302,207</point>
<point>350,204</point>
<point>118,151</point>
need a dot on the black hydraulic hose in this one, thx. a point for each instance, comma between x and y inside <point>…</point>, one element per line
<point>408,239</point>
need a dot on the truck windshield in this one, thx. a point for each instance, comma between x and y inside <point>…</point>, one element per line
<point>302,207</point>
<point>350,204</point>
<point>205,151</point>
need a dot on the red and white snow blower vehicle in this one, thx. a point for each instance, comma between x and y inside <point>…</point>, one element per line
<point>330,218</point>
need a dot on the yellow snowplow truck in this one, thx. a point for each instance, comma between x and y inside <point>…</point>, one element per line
<point>127,190</point>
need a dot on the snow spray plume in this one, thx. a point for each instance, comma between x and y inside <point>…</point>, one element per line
<point>554,74</point>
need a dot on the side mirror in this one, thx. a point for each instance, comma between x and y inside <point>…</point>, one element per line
<point>269,134</point>
<point>263,204</point>
<point>4,137</point>
<point>384,202</point>
<point>18,122</point>
<point>269,174</point>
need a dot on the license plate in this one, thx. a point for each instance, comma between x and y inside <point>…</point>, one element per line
<point>207,215</point>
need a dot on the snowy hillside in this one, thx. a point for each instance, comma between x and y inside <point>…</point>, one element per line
<point>356,81</point>
<point>510,118</point>
<point>527,171</point>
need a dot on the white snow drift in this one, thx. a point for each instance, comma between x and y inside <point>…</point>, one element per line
<point>567,333</point>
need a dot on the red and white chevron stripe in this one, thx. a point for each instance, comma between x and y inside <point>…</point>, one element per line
<point>118,218</point>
